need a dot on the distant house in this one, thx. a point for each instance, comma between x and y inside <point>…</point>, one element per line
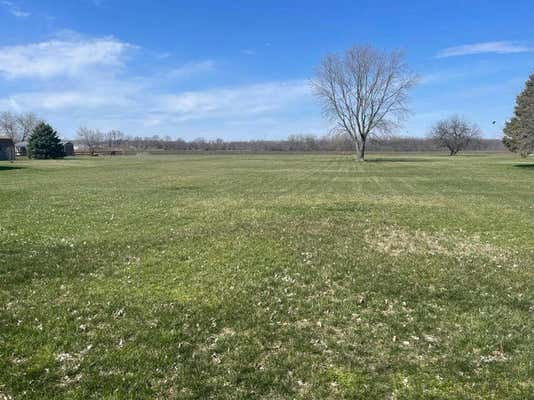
<point>7,149</point>
<point>21,148</point>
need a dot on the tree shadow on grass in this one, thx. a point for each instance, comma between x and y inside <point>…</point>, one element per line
<point>524,166</point>
<point>399,160</point>
<point>8,167</point>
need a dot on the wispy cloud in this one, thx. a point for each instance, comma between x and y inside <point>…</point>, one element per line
<point>65,55</point>
<point>269,108</point>
<point>500,47</point>
<point>14,9</point>
<point>245,100</point>
<point>477,70</point>
<point>192,68</point>
<point>66,100</point>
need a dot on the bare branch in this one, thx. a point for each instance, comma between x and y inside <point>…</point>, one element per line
<point>91,139</point>
<point>27,122</point>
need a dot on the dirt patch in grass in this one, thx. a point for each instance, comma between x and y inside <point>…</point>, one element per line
<point>398,241</point>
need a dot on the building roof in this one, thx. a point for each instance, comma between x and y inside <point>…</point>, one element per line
<point>6,140</point>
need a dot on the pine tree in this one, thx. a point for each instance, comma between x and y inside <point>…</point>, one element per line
<point>44,143</point>
<point>519,131</point>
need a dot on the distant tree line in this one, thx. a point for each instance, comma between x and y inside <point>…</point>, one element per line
<point>94,141</point>
<point>453,134</point>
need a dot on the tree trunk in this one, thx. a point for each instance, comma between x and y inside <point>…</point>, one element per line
<point>360,151</point>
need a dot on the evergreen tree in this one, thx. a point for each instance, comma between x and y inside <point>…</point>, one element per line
<point>44,143</point>
<point>519,131</point>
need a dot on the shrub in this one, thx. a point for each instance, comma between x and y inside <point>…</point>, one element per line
<point>44,143</point>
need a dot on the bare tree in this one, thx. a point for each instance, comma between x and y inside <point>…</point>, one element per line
<point>363,91</point>
<point>9,126</point>
<point>455,133</point>
<point>114,138</point>
<point>18,126</point>
<point>90,138</point>
<point>26,124</point>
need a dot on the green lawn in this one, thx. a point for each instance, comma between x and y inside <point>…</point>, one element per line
<point>267,277</point>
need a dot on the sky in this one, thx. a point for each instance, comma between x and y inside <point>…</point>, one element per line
<point>240,69</point>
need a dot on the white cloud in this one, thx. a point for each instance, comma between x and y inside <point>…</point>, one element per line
<point>64,100</point>
<point>192,68</point>
<point>163,55</point>
<point>271,107</point>
<point>18,13</point>
<point>14,10</point>
<point>243,100</point>
<point>501,47</point>
<point>73,80</point>
<point>68,55</point>
<point>476,70</point>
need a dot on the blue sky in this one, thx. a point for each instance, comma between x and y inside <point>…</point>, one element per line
<point>240,69</point>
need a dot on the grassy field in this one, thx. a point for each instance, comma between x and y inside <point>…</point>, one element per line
<point>267,277</point>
